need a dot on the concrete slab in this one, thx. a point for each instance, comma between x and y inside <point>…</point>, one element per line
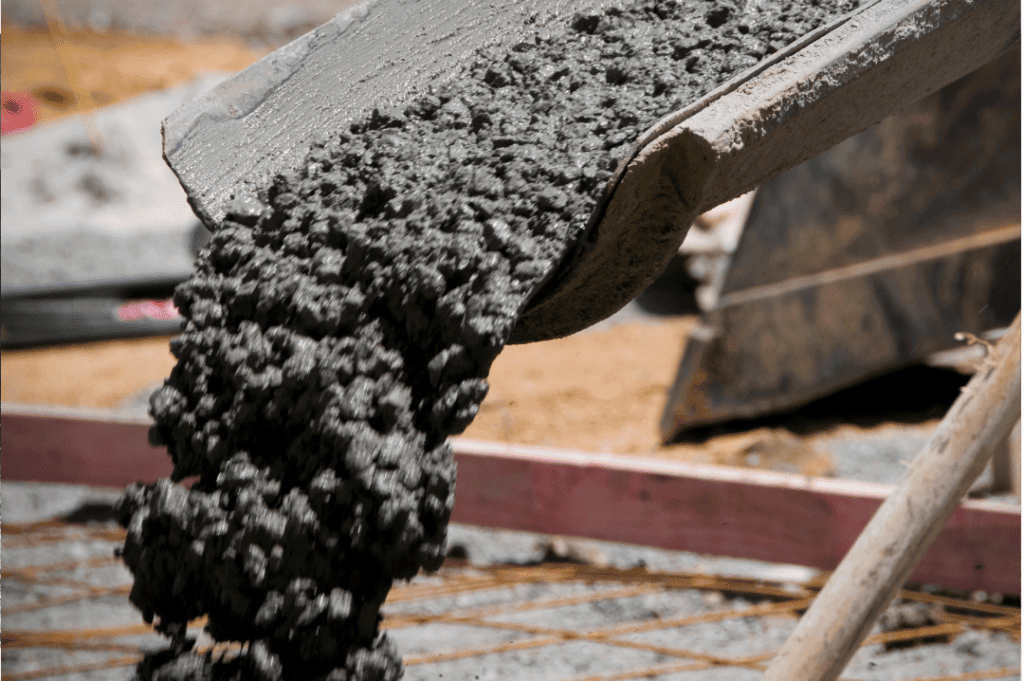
<point>88,199</point>
<point>593,614</point>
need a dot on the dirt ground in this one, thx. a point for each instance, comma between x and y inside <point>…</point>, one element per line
<point>93,375</point>
<point>600,391</point>
<point>75,72</point>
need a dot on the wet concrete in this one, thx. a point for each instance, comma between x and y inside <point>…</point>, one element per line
<point>341,327</point>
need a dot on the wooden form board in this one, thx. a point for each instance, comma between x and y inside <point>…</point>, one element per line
<point>717,510</point>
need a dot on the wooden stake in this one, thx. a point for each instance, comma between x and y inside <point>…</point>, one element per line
<point>1014,447</point>
<point>1002,475</point>
<point>1006,464</point>
<point>907,522</point>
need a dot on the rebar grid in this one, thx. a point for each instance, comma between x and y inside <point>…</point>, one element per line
<point>454,580</point>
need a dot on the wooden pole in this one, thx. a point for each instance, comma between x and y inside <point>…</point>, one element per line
<point>1015,459</point>
<point>1006,464</point>
<point>1002,465</point>
<point>907,522</point>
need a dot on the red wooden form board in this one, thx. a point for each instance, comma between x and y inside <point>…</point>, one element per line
<point>722,511</point>
<point>78,448</point>
<point>734,512</point>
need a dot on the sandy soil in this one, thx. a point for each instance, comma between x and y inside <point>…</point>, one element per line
<point>94,375</point>
<point>604,391</point>
<point>71,73</point>
<point>598,391</point>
